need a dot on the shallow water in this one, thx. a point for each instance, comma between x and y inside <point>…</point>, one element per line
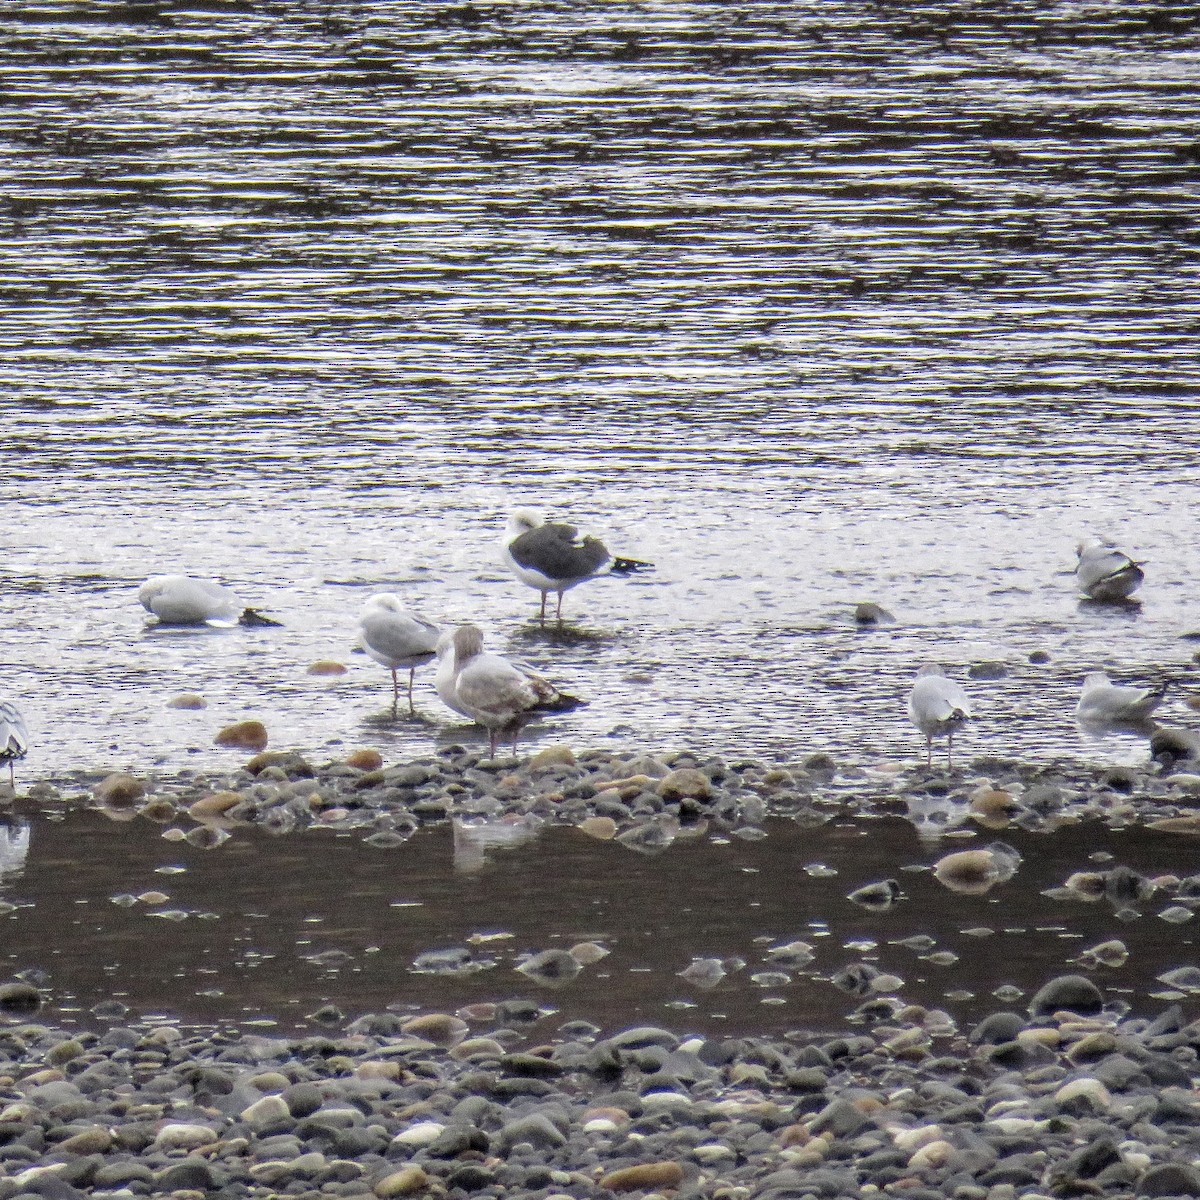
<point>246,934</point>
<point>807,304</point>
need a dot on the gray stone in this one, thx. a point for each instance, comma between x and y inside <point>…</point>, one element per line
<point>1072,993</point>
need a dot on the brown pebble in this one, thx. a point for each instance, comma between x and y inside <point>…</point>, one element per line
<point>439,1028</point>
<point>552,756</point>
<point>326,666</point>
<point>119,789</point>
<point>643,1177</point>
<point>404,1182</point>
<point>90,1141</point>
<point>245,735</point>
<point>19,998</point>
<point>158,809</point>
<point>685,783</point>
<point>188,700</point>
<point>213,805</point>
<point>603,829</point>
<point>365,760</point>
<point>794,1135</point>
<point>375,1069</point>
<point>970,872</point>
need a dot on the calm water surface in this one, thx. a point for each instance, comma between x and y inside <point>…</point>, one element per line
<point>240,934</point>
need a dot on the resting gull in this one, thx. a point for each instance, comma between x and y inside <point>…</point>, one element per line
<point>553,557</point>
<point>937,705</point>
<point>1103,702</point>
<point>1106,573</point>
<point>14,738</point>
<point>395,638</point>
<point>495,693</point>
<point>181,600</point>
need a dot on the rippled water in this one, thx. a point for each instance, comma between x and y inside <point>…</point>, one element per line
<point>247,934</point>
<point>808,304</point>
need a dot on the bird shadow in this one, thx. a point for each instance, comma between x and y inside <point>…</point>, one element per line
<point>1129,607</point>
<point>564,634</point>
<point>393,718</point>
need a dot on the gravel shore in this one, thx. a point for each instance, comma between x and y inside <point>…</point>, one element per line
<point>1068,1095</point>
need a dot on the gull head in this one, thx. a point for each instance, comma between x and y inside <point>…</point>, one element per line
<point>468,642</point>
<point>153,587</point>
<point>1094,679</point>
<point>383,602</point>
<point>522,521</point>
<point>929,669</point>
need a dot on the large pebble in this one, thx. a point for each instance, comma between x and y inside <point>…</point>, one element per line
<point>118,789</point>
<point>182,1135</point>
<point>644,1177</point>
<point>406,1182</point>
<point>243,735</point>
<point>685,783</point>
<point>1072,993</point>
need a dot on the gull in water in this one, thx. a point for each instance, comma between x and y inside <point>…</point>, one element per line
<point>1106,573</point>
<point>395,638</point>
<point>554,557</point>
<point>937,705</point>
<point>14,738</point>
<point>181,600</point>
<point>1103,702</point>
<point>495,693</point>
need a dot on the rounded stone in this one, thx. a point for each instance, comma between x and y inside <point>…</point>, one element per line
<point>1072,993</point>
<point>643,1177</point>
<point>685,783</point>
<point>213,805</point>
<point>439,1028</point>
<point>243,735</point>
<point>326,667</point>
<point>365,760</point>
<point>269,1113</point>
<point>181,1135</point>
<point>405,1182</point>
<point>1170,1179</point>
<point>19,998</point>
<point>118,789</point>
<point>552,756</point>
<point>188,700</point>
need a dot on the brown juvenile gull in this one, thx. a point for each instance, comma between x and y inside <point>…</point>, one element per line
<point>495,693</point>
<point>553,557</point>
<point>1106,573</point>
<point>395,638</point>
<point>937,705</point>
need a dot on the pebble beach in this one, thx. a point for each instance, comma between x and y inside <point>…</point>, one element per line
<point>1070,1092</point>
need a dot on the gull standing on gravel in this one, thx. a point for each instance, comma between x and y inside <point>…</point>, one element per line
<point>553,557</point>
<point>395,638</point>
<point>495,693</point>
<point>1103,702</point>
<point>937,705</point>
<point>14,738</point>
<point>1106,573</point>
<point>181,600</point>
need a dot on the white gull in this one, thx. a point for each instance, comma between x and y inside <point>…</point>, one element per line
<point>937,705</point>
<point>14,738</point>
<point>395,638</point>
<point>1103,702</point>
<point>182,600</point>
<point>1106,573</point>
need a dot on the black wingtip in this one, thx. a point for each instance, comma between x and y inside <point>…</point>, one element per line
<point>562,702</point>
<point>629,566</point>
<point>251,616</point>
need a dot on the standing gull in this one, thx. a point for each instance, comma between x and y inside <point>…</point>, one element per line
<point>937,705</point>
<point>554,557</point>
<point>14,738</point>
<point>1103,702</point>
<point>181,600</point>
<point>395,638</point>
<point>1106,573</point>
<point>495,693</point>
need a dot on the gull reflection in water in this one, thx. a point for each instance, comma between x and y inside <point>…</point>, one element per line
<point>474,838</point>
<point>14,847</point>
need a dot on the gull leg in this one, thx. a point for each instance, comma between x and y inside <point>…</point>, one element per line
<point>929,750</point>
<point>395,691</point>
<point>950,750</point>
<point>493,735</point>
<point>558,611</point>
<point>542,614</point>
<point>12,775</point>
<point>412,671</point>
